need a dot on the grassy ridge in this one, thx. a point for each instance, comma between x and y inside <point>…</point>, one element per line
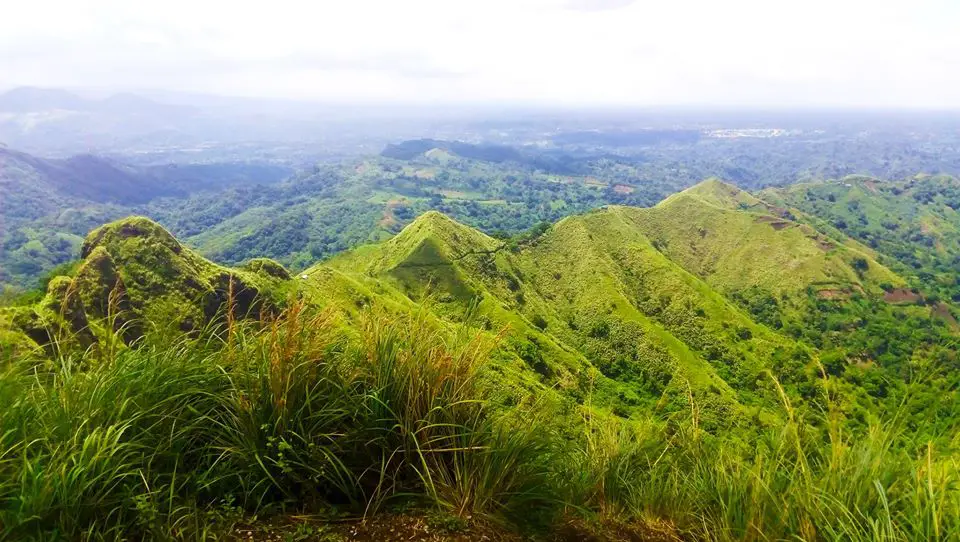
<point>914,223</point>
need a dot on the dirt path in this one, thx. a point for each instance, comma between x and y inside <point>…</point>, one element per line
<point>397,528</point>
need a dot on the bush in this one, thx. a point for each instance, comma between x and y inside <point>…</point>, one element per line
<point>539,322</point>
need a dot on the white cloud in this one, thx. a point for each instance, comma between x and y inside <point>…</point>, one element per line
<point>736,52</point>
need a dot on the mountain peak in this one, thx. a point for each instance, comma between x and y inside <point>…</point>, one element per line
<point>429,252</point>
<point>454,238</point>
<point>718,193</point>
<point>116,233</point>
<point>31,99</point>
<point>434,218</point>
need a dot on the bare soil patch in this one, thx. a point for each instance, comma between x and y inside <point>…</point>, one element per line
<point>942,311</point>
<point>825,245</point>
<point>594,182</point>
<point>389,219</point>
<point>834,294</point>
<point>775,222</point>
<point>902,295</point>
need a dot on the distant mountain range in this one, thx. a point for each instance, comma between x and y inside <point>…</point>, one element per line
<point>39,100</point>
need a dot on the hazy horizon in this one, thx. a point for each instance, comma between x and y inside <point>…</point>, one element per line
<point>506,107</point>
<point>534,53</point>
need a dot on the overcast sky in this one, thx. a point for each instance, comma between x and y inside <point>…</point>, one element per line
<point>563,52</point>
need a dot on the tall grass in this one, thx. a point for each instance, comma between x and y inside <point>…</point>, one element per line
<point>792,483</point>
<point>431,427</point>
<point>179,437</point>
<point>175,439</point>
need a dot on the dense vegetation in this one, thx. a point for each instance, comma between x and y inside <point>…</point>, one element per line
<point>319,212</point>
<point>691,369</point>
<point>543,169</point>
<point>914,223</point>
<point>48,205</point>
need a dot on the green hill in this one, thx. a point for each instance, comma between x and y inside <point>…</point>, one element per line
<point>138,273</point>
<point>712,360</point>
<point>735,241</point>
<point>648,305</point>
<point>914,224</point>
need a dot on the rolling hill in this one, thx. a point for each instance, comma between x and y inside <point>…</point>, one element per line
<point>913,224</point>
<point>644,305</point>
<point>664,371</point>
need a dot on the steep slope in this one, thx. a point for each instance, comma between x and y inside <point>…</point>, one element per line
<point>40,186</point>
<point>84,177</point>
<point>666,302</point>
<point>637,310</point>
<point>915,224</point>
<point>429,253</point>
<point>812,283</point>
<point>595,287</point>
<point>599,283</point>
<point>735,242</point>
<point>449,268</point>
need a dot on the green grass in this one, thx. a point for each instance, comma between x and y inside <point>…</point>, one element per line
<point>913,223</point>
<point>294,415</point>
<point>181,440</point>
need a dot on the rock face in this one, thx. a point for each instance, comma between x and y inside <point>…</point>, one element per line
<point>134,271</point>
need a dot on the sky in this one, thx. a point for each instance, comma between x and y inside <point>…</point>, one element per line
<point>763,53</point>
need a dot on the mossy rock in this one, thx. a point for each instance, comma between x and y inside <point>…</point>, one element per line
<point>98,279</point>
<point>243,297</point>
<point>131,227</point>
<point>29,322</point>
<point>268,267</point>
<point>14,341</point>
<point>155,278</point>
<point>134,273</point>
